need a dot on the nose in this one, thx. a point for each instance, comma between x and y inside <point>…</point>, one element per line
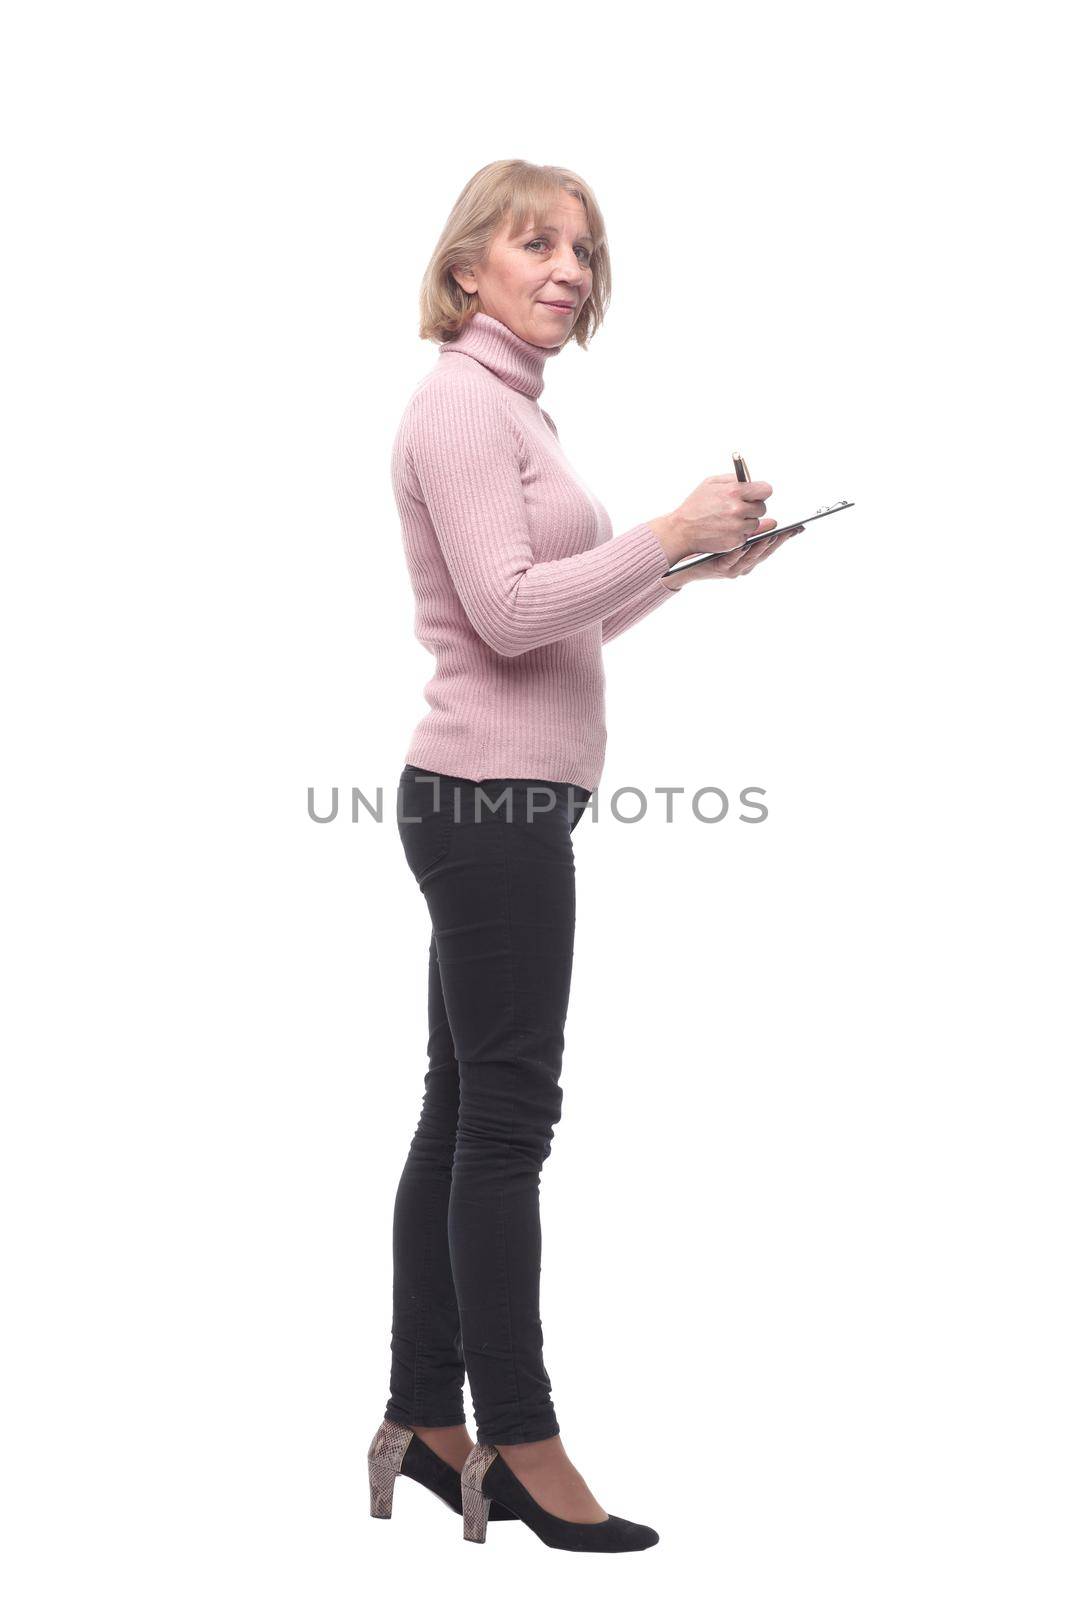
<point>567,267</point>
<point>565,273</point>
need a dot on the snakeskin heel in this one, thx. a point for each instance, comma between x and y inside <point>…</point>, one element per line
<point>384,1460</point>
<point>475,1503</point>
<point>397,1450</point>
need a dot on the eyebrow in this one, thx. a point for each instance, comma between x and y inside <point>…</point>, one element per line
<point>549,227</point>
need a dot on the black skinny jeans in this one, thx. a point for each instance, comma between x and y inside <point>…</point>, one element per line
<point>466,1223</point>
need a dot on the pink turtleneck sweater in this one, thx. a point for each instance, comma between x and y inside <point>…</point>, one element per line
<point>517,578</point>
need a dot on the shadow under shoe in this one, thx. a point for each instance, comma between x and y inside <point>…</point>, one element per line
<point>398,1450</point>
<point>486,1480</point>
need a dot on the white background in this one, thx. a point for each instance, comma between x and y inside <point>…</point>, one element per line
<point>803,1262</point>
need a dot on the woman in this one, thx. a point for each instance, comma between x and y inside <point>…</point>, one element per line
<point>518,583</point>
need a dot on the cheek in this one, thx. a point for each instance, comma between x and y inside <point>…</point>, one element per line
<point>534,278</point>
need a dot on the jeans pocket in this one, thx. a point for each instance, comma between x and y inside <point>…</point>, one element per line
<point>424,821</point>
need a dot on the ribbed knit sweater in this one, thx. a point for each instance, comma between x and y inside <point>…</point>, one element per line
<point>517,578</point>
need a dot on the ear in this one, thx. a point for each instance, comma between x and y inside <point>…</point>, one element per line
<point>466,279</point>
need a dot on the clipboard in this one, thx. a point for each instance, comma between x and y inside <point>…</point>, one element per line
<point>771,533</point>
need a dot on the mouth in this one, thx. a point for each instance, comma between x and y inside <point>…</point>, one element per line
<point>559,305</point>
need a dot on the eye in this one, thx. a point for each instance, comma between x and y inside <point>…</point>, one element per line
<point>586,254</point>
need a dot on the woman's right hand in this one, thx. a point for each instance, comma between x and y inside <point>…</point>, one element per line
<point>721,514</point>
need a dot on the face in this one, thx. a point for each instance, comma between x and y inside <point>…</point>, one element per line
<point>521,277</point>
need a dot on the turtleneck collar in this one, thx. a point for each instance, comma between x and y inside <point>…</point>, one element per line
<point>518,364</point>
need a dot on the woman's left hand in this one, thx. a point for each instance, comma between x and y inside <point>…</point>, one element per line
<point>734,563</point>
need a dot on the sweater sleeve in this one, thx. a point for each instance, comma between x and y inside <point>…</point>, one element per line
<point>640,606</point>
<point>465,449</point>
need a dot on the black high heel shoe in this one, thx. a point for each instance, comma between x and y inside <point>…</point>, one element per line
<point>486,1477</point>
<point>396,1449</point>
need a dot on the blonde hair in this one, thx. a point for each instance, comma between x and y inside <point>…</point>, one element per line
<point>506,192</point>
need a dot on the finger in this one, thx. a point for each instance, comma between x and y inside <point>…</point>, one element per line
<point>755,553</point>
<point>756,490</point>
<point>761,551</point>
<point>758,535</point>
<point>779,539</point>
<point>732,552</point>
<point>750,562</point>
<point>730,561</point>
